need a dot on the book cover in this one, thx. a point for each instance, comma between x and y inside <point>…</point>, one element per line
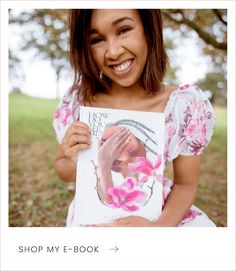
<point>121,173</point>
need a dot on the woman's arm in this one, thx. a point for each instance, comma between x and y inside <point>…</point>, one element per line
<point>64,167</point>
<point>182,195</point>
<point>76,138</point>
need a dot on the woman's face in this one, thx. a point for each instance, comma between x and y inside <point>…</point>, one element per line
<point>118,45</point>
<point>133,149</point>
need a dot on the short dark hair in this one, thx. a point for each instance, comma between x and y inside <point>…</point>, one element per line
<point>87,74</point>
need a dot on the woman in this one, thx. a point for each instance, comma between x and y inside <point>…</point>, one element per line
<point>119,61</point>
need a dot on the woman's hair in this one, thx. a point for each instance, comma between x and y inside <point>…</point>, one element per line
<point>87,74</point>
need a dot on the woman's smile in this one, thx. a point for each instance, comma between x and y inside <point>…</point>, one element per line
<point>122,68</point>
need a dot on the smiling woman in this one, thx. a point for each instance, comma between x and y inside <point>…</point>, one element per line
<point>131,33</point>
<point>123,37</point>
<point>119,62</point>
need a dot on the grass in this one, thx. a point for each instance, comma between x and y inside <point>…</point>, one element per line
<point>38,198</point>
<point>212,195</point>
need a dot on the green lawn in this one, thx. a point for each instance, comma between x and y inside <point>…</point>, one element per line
<point>212,195</point>
<point>39,198</point>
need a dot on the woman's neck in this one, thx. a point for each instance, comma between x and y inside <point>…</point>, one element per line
<point>135,92</point>
<point>132,98</point>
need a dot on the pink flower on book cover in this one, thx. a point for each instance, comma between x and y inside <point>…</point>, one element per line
<point>143,165</point>
<point>126,196</point>
<point>62,115</point>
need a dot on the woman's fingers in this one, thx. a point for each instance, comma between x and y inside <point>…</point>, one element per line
<point>76,128</point>
<point>73,151</point>
<point>79,128</point>
<point>115,223</point>
<point>77,138</point>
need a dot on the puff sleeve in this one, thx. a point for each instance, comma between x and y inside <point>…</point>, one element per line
<point>66,112</point>
<point>194,122</point>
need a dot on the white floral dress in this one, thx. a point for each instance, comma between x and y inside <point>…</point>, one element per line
<point>189,120</point>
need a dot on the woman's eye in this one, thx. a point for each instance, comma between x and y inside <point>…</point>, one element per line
<point>123,30</point>
<point>96,40</point>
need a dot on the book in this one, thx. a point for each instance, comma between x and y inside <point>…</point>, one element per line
<point>121,174</point>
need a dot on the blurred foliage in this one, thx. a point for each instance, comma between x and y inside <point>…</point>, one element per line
<point>16,69</point>
<point>217,84</point>
<point>209,24</point>
<point>209,28</point>
<point>46,32</point>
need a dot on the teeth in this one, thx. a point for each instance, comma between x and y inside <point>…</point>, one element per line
<point>122,67</point>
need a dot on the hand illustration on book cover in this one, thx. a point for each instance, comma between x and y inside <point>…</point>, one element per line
<point>126,162</point>
<point>122,152</point>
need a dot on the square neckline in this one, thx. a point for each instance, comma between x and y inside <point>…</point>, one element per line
<point>174,92</point>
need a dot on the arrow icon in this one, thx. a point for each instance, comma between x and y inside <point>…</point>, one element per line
<point>114,248</point>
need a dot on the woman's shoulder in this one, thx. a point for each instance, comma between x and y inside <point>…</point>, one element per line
<point>186,93</point>
<point>190,120</point>
<point>189,100</point>
<point>71,94</point>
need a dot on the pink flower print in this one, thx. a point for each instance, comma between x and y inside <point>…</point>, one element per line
<point>65,116</point>
<point>125,196</point>
<point>57,114</point>
<point>196,129</point>
<point>184,87</point>
<point>128,184</point>
<point>144,166</point>
<point>166,151</point>
<point>190,128</point>
<point>62,115</point>
<point>171,131</point>
<point>191,214</point>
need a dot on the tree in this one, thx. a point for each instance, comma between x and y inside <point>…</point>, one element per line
<point>209,26</point>
<point>217,84</point>
<point>46,34</point>
<point>16,73</point>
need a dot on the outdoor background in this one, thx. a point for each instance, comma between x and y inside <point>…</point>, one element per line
<point>39,74</point>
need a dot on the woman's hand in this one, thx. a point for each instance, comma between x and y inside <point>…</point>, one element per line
<point>112,148</point>
<point>76,138</point>
<point>130,221</point>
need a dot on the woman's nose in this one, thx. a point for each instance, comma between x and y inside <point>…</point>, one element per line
<point>114,49</point>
